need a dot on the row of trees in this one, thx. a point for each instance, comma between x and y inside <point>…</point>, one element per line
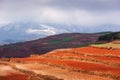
<point>110,37</point>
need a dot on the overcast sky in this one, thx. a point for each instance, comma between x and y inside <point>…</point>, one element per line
<point>78,12</point>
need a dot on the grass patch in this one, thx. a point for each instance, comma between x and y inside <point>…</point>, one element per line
<point>85,45</point>
<point>66,39</point>
<point>107,45</point>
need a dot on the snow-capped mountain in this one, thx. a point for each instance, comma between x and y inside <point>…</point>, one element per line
<point>17,32</point>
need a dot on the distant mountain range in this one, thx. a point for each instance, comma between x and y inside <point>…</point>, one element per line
<point>20,32</point>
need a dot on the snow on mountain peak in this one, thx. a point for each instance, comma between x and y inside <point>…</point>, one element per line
<point>45,30</point>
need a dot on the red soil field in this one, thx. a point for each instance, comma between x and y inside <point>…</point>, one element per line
<point>79,56</point>
<point>99,51</point>
<point>14,77</point>
<point>104,58</point>
<point>72,60</point>
<point>75,65</point>
<point>65,54</point>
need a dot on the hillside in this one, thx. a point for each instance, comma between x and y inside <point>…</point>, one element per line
<point>110,36</point>
<point>86,63</point>
<point>22,31</point>
<point>43,45</point>
<point>110,45</point>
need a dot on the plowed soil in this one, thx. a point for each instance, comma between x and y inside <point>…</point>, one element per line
<point>86,63</point>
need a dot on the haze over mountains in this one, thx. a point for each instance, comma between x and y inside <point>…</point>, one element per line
<point>25,20</point>
<point>61,41</point>
<point>26,31</point>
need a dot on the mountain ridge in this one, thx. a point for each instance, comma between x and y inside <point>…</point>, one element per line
<point>43,45</point>
<point>24,31</point>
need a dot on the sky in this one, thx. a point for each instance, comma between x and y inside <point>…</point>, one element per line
<point>74,12</point>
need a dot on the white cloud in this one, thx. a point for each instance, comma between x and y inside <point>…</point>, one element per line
<point>77,17</point>
<point>45,30</point>
<point>57,11</point>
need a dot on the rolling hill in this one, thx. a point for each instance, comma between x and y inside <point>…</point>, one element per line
<point>43,45</point>
<point>110,36</point>
<point>23,31</point>
<point>65,40</point>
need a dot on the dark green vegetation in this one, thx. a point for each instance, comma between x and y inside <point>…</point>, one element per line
<point>66,39</point>
<point>110,36</point>
<point>85,45</point>
<point>104,33</point>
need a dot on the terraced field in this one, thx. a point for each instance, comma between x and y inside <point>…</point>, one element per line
<point>86,63</point>
<point>111,45</point>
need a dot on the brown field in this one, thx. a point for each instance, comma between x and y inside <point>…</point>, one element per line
<point>8,73</point>
<point>112,45</point>
<point>86,63</point>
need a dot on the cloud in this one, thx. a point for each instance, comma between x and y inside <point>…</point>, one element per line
<point>94,5</point>
<point>78,12</point>
<point>45,30</point>
<point>78,17</point>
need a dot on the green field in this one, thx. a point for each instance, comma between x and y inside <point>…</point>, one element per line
<point>66,39</point>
